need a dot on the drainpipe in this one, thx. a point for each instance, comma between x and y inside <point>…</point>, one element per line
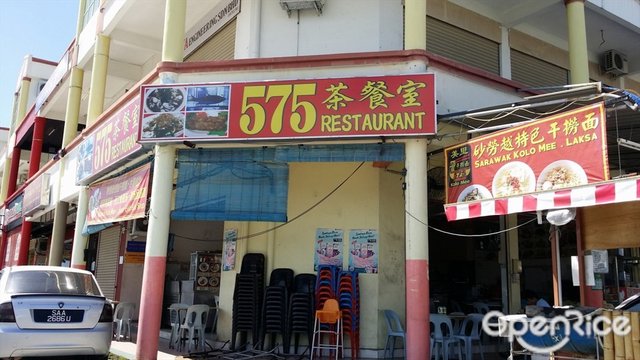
<point>416,220</point>
<point>155,258</point>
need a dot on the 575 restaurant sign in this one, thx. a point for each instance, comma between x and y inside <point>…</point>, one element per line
<point>398,105</point>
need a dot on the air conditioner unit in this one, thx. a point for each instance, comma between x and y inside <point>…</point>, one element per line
<point>139,227</point>
<point>614,63</point>
<point>290,5</point>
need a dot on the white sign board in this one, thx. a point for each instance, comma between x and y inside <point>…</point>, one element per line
<point>588,271</point>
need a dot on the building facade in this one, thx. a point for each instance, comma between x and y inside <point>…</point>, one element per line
<point>130,195</point>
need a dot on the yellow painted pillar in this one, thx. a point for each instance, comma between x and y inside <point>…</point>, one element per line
<point>72,114</point>
<point>5,178</point>
<point>417,250</point>
<point>578,56</point>
<point>173,37</point>
<point>155,258</point>
<point>416,219</point>
<point>579,74</point>
<point>21,111</point>
<point>23,98</point>
<point>82,7</point>
<point>73,106</point>
<point>98,78</point>
<point>96,106</point>
<point>79,240</point>
<point>415,22</point>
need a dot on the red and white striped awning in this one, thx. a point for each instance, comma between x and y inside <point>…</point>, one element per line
<point>606,192</point>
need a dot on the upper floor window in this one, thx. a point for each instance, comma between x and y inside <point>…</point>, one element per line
<point>90,9</point>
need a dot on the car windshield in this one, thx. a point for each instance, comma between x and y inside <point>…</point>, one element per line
<point>51,282</point>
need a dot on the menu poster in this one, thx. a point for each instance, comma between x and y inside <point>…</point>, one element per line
<point>328,248</point>
<point>229,249</point>
<point>600,261</point>
<point>363,251</point>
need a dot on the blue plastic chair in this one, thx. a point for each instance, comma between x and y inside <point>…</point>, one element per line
<point>470,331</point>
<point>442,337</point>
<point>394,331</point>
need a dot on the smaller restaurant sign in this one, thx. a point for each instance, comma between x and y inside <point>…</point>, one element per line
<point>561,151</point>
<point>374,106</point>
<point>111,142</point>
<point>36,195</point>
<point>118,199</point>
<point>13,212</point>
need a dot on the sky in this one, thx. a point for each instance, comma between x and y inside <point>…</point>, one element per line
<point>41,28</point>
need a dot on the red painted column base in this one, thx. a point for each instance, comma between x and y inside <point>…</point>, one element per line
<point>151,307</point>
<point>418,303</point>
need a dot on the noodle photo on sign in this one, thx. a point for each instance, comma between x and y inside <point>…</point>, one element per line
<point>561,174</point>
<point>513,178</point>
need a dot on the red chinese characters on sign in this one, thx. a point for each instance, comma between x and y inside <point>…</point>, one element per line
<point>115,139</point>
<point>118,199</point>
<point>561,151</point>
<point>375,106</point>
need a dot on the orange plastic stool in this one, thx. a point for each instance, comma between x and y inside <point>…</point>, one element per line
<point>331,317</point>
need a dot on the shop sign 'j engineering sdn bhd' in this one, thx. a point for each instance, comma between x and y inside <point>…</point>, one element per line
<point>536,166</point>
<point>358,107</point>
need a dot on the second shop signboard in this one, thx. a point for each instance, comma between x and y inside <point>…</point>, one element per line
<point>561,151</point>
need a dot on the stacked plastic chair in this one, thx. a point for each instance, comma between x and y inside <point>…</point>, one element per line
<point>274,311</point>
<point>349,299</point>
<point>326,284</point>
<point>301,308</point>
<point>248,298</point>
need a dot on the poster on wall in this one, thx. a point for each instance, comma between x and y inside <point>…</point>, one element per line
<point>328,248</point>
<point>363,251</point>
<point>229,249</point>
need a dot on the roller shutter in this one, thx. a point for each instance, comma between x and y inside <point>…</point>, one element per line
<point>107,260</point>
<point>462,46</point>
<point>220,47</point>
<point>535,72</point>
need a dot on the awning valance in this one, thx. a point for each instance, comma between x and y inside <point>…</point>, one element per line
<point>606,192</point>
